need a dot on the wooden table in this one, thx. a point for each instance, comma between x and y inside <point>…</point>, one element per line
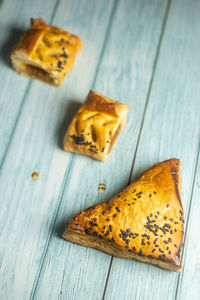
<point>143,53</point>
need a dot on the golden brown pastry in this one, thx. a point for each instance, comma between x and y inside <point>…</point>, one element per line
<point>96,126</point>
<point>144,221</point>
<point>45,52</point>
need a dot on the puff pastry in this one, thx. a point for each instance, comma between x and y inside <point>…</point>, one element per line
<point>144,222</point>
<point>45,52</point>
<point>96,126</point>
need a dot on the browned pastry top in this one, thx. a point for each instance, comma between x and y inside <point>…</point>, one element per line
<point>47,47</point>
<point>96,126</point>
<point>145,219</point>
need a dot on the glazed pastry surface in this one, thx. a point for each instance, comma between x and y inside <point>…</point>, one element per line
<point>45,52</point>
<point>96,126</point>
<point>145,221</point>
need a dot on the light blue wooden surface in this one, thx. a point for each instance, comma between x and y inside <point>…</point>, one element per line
<point>143,53</point>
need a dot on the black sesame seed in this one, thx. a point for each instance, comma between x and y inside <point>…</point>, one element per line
<point>59,64</point>
<point>107,233</point>
<point>153,250</point>
<point>169,252</point>
<point>95,219</point>
<point>150,195</point>
<point>114,215</point>
<point>111,228</point>
<point>167,205</point>
<point>140,252</point>
<point>107,219</point>
<point>138,193</point>
<point>104,227</point>
<point>175,245</point>
<point>134,249</point>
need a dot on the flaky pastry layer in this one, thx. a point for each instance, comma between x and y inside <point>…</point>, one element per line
<point>95,128</point>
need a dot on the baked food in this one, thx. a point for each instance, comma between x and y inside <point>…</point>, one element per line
<point>95,128</point>
<point>145,221</point>
<point>45,52</point>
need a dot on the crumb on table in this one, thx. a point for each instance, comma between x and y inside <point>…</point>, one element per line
<point>35,175</point>
<point>101,187</point>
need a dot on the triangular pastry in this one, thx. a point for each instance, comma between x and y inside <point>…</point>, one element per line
<point>96,126</point>
<point>144,222</point>
<point>45,52</point>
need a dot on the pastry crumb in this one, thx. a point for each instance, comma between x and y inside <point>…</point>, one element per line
<point>101,187</point>
<point>35,175</point>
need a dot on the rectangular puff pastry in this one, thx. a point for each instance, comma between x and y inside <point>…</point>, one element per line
<point>45,52</point>
<point>144,222</point>
<point>96,126</point>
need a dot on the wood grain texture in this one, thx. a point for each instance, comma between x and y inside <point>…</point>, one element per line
<point>171,129</point>
<point>72,271</point>
<point>189,280</point>
<point>122,59</point>
<point>14,19</point>
<point>29,208</point>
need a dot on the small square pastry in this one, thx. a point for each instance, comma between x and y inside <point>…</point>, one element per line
<point>96,126</point>
<point>45,52</point>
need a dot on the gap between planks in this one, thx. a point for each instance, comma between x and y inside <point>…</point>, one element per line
<point>143,117</point>
<point>184,251</point>
<point>67,176</point>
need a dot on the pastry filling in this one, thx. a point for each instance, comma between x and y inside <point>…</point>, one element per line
<point>39,73</point>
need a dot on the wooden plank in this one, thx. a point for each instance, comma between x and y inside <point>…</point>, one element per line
<point>72,271</point>
<point>189,281</point>
<point>14,19</point>
<point>29,208</point>
<point>171,129</point>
